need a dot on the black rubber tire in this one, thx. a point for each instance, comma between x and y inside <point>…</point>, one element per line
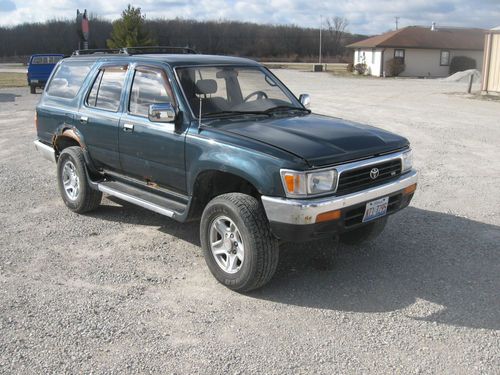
<point>261,247</point>
<point>88,199</point>
<point>33,89</point>
<point>368,232</point>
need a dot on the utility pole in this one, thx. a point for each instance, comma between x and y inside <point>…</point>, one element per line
<point>397,22</point>
<point>320,31</point>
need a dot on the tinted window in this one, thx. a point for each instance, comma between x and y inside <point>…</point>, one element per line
<point>68,79</point>
<point>149,87</point>
<point>91,100</point>
<point>107,88</point>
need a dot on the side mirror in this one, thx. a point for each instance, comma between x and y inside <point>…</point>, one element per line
<point>164,112</point>
<point>305,100</point>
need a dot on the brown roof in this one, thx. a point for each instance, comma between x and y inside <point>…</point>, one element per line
<point>424,37</point>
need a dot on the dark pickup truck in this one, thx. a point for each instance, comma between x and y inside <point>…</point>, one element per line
<point>219,139</point>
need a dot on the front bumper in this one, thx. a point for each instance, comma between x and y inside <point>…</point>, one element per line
<point>295,219</point>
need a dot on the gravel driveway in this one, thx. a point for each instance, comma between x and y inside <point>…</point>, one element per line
<point>124,290</point>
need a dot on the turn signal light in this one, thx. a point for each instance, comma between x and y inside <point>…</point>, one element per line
<point>328,216</point>
<point>410,189</point>
<point>292,182</point>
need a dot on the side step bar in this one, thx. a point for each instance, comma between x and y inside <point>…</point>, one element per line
<point>147,200</point>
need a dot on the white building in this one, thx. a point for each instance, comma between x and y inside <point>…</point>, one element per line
<point>491,67</point>
<point>425,51</point>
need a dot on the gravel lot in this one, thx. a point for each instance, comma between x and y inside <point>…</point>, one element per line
<point>124,290</point>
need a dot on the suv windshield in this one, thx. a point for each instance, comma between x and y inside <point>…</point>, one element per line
<point>224,90</point>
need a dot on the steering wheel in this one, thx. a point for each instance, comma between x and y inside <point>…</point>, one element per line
<point>260,95</point>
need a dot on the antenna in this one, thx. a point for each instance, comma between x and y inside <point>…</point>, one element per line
<point>397,22</point>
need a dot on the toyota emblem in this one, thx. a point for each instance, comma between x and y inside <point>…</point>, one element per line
<point>374,173</point>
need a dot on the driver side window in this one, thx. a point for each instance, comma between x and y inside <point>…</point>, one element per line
<point>149,87</point>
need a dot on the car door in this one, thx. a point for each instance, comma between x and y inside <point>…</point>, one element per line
<point>99,116</point>
<point>151,151</point>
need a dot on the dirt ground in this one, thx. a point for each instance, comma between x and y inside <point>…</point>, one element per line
<point>124,290</point>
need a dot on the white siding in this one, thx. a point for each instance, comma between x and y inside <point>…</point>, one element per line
<point>371,57</point>
<point>491,80</point>
<point>426,62</point>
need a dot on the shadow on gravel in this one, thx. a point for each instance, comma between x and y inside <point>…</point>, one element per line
<point>7,98</point>
<point>440,268</point>
<point>131,214</point>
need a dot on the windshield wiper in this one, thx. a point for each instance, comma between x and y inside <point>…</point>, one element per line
<point>286,107</point>
<point>232,113</point>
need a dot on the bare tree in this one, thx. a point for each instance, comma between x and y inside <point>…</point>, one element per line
<point>337,26</point>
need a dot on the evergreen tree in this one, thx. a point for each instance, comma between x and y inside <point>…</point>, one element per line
<point>128,31</point>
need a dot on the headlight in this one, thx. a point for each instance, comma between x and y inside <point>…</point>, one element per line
<point>407,161</point>
<point>301,184</point>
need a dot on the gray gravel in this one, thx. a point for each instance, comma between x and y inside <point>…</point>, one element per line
<point>124,290</point>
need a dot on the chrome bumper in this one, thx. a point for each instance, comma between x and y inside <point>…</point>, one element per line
<point>304,211</point>
<point>46,151</point>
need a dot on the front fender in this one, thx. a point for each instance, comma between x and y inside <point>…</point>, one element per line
<point>258,168</point>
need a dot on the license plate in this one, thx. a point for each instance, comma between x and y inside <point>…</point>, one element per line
<point>34,80</point>
<point>376,209</point>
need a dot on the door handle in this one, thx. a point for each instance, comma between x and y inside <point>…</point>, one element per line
<point>128,127</point>
<point>84,119</point>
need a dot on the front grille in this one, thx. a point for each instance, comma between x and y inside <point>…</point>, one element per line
<point>358,179</point>
<point>355,216</point>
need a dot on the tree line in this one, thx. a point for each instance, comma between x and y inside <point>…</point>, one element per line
<point>269,42</point>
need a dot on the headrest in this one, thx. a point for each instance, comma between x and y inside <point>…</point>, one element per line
<point>206,86</point>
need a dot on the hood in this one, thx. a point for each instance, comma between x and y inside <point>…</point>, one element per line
<point>319,140</point>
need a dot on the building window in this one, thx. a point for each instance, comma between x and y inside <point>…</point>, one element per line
<point>399,54</point>
<point>445,58</point>
<point>373,55</point>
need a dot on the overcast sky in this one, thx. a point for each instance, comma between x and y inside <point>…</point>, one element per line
<point>365,16</point>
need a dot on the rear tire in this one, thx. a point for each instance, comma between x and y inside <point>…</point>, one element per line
<point>74,186</point>
<point>237,243</point>
<point>33,89</point>
<point>368,232</point>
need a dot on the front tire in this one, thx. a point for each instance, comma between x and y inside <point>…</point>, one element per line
<point>74,186</point>
<point>237,243</point>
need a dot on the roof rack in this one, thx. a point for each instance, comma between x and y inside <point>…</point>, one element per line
<point>135,51</point>
<point>98,51</point>
<point>157,49</point>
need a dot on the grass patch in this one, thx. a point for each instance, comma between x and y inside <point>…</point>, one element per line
<point>13,80</point>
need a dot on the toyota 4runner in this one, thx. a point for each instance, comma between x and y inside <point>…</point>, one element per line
<point>220,140</point>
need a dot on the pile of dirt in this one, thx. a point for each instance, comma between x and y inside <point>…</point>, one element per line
<point>464,76</point>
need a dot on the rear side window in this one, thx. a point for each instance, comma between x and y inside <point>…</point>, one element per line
<point>68,79</point>
<point>107,89</point>
<point>149,87</point>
